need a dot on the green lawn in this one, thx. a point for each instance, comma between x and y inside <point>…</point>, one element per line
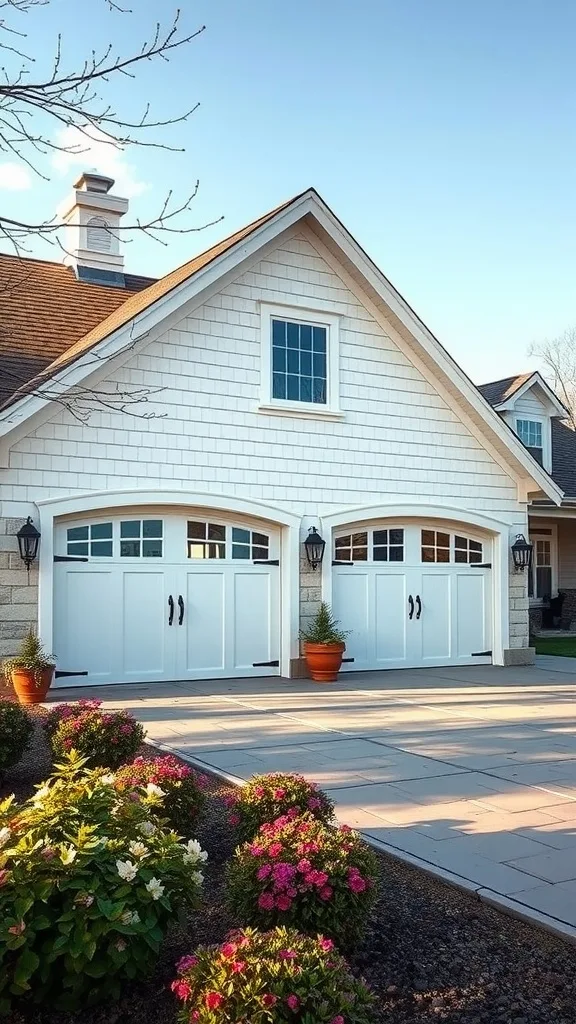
<point>564,645</point>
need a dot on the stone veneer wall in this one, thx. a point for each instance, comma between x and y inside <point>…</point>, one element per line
<point>519,651</point>
<point>18,592</point>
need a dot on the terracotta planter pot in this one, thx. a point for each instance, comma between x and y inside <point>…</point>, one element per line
<point>26,688</point>
<point>324,661</point>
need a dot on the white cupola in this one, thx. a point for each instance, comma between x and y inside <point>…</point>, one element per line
<point>91,216</point>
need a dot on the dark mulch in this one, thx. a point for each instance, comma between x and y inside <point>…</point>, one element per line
<point>431,953</point>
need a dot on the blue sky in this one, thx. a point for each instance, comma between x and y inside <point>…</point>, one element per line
<point>441,132</point>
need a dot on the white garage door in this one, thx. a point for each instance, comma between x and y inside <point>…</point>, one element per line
<point>149,597</point>
<point>412,596</point>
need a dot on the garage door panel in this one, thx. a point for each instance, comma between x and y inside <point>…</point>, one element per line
<point>352,606</point>
<point>435,617</point>
<point>255,638</point>
<point>391,618</point>
<point>144,615</point>
<point>470,625</point>
<point>86,634</point>
<point>202,631</point>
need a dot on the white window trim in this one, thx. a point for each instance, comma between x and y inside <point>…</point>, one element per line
<point>551,535</point>
<point>279,406</point>
<point>545,422</point>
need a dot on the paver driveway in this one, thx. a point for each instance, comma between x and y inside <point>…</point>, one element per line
<point>469,772</point>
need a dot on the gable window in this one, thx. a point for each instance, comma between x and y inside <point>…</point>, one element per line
<point>530,433</point>
<point>299,370</point>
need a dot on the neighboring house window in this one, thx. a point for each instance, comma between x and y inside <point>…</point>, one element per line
<point>299,361</point>
<point>530,433</point>
<point>542,576</point>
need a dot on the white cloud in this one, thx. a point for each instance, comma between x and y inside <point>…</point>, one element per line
<point>91,152</point>
<point>15,177</point>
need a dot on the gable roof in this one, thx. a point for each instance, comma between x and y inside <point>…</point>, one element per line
<point>498,391</point>
<point>564,457</point>
<point>45,309</point>
<point>147,310</point>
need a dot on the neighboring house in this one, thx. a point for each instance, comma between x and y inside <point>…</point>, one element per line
<point>292,388</point>
<point>537,416</point>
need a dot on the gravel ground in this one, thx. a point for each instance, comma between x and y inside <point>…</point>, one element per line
<point>431,952</point>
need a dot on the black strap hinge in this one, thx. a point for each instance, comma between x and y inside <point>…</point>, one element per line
<point>266,561</point>
<point>266,664</point>
<point>481,654</point>
<point>480,565</point>
<point>347,659</point>
<point>336,562</point>
<point>60,675</point>
<point>70,558</point>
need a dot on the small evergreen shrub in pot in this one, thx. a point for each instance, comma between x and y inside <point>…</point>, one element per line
<point>88,886</point>
<point>267,797</point>
<point>106,739</point>
<point>324,644</point>
<point>298,872</point>
<point>30,671</point>
<point>275,977</point>
<point>183,787</point>
<point>15,731</point>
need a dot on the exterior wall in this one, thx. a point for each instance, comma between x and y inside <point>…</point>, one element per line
<point>398,439</point>
<point>18,591</point>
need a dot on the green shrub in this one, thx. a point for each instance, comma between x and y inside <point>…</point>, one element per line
<point>106,739</point>
<point>183,787</point>
<point>276,977</point>
<point>299,872</point>
<point>15,731</point>
<point>267,797</point>
<point>88,886</point>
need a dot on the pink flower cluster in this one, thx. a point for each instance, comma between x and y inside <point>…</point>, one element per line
<point>159,770</point>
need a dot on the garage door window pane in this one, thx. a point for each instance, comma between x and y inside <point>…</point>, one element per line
<point>206,540</point>
<point>79,549</point>
<point>466,550</point>
<point>78,533</point>
<point>101,548</point>
<point>152,528</point>
<point>388,545</point>
<point>152,548</point>
<point>130,529</point>
<point>101,531</point>
<point>130,549</point>
<point>435,546</point>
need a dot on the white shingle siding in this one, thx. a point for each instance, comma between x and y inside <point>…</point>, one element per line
<point>398,437</point>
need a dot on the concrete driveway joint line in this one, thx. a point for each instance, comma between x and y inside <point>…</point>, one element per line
<point>466,773</point>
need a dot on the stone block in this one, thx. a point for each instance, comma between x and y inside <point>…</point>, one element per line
<point>18,613</point>
<point>519,656</point>
<point>13,630</point>
<point>23,595</point>
<point>5,595</point>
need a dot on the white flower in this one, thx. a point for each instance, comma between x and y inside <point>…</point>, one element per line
<point>130,917</point>
<point>68,855</point>
<point>137,849</point>
<point>194,851</point>
<point>147,828</point>
<point>5,834</point>
<point>107,780</point>
<point>155,888</point>
<point>153,790</point>
<point>198,877</point>
<point>126,869</point>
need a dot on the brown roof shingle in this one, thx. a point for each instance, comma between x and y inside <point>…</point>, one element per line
<point>44,310</point>
<point>498,391</point>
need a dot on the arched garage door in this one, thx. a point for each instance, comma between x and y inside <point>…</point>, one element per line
<point>414,595</point>
<point>153,596</point>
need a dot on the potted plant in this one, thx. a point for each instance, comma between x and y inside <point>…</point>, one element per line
<point>31,670</point>
<point>324,645</point>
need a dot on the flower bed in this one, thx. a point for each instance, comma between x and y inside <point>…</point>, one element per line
<point>88,886</point>
<point>278,976</point>
<point>15,732</point>
<point>267,797</point>
<point>105,739</point>
<point>299,872</point>
<point>184,788</point>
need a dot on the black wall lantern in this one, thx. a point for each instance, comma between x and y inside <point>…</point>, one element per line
<point>522,552</point>
<point>314,546</point>
<point>28,541</point>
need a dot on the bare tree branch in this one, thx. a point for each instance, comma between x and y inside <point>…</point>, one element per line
<point>558,359</point>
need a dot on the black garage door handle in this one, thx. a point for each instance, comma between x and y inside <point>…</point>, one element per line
<point>181,607</point>
<point>171,610</point>
<point>418,606</point>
